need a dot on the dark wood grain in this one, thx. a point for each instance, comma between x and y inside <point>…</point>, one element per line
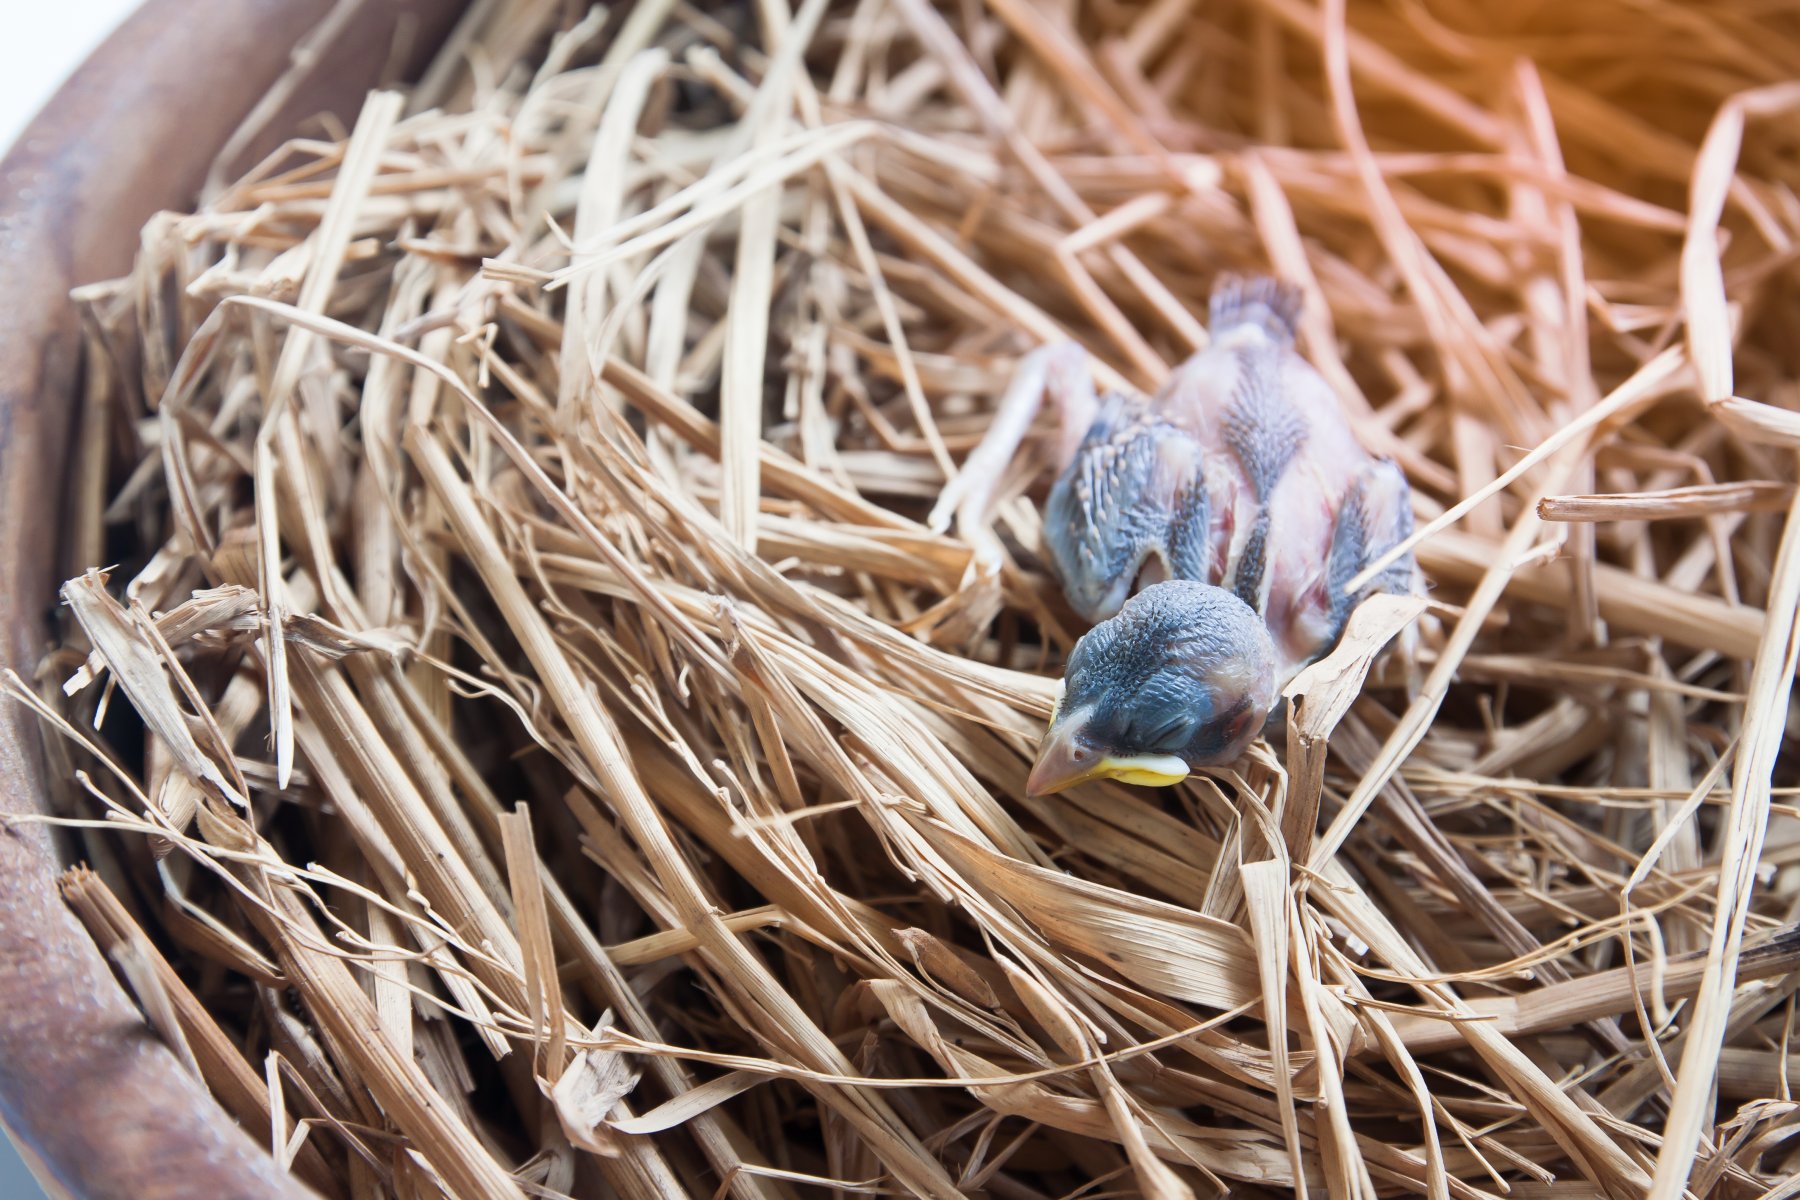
<point>100,1103</point>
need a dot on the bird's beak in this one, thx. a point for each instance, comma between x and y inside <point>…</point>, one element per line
<point>1067,759</point>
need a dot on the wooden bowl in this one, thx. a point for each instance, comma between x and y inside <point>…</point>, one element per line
<point>99,1104</point>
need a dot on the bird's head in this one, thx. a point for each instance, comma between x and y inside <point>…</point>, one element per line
<point>1182,677</point>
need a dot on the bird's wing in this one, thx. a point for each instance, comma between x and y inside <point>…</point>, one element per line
<point>1132,495</point>
<point>1386,513</point>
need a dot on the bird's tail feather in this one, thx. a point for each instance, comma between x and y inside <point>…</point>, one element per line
<point>1260,301</point>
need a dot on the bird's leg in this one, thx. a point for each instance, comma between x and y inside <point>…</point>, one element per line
<point>1058,374</point>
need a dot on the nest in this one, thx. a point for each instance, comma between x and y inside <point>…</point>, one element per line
<point>555,756</point>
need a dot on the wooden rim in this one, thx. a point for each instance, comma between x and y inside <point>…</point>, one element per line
<point>100,1104</point>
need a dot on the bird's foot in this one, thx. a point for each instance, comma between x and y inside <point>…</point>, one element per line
<point>1058,374</point>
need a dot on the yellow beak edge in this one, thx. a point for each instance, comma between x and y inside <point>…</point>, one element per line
<point>1142,770</point>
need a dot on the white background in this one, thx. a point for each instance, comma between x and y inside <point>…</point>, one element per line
<point>42,44</point>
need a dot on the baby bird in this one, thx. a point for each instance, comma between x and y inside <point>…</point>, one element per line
<point>1210,529</point>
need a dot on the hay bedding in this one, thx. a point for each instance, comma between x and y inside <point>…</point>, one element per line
<point>565,763</point>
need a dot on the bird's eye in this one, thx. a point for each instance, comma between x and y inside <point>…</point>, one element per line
<point>1167,718</point>
<point>1172,736</point>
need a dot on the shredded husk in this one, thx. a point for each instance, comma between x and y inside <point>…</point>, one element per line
<point>530,742</point>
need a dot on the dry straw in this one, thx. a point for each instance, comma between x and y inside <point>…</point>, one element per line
<point>564,762</point>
